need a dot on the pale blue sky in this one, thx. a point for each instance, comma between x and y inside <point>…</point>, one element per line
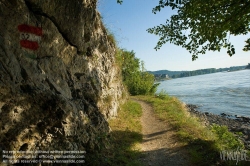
<point>129,22</point>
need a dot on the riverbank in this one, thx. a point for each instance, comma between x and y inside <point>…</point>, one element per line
<point>172,133</point>
<point>203,142</point>
<point>239,125</point>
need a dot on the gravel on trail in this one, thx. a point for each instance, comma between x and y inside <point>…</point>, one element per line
<point>160,146</point>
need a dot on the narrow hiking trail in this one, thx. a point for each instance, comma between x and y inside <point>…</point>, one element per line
<point>159,145</point>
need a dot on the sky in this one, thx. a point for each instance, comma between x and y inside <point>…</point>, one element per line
<point>129,22</point>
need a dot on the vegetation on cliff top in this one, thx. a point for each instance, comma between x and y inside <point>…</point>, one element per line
<point>137,80</point>
<point>134,74</point>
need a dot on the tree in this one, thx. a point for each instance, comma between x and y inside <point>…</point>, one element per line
<point>135,77</point>
<point>130,64</point>
<point>203,25</point>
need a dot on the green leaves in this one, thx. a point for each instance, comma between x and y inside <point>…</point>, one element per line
<point>171,3</point>
<point>225,139</point>
<point>135,77</point>
<point>247,46</point>
<point>119,1</point>
<point>201,26</point>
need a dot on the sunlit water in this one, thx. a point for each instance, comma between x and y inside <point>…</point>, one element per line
<point>227,92</point>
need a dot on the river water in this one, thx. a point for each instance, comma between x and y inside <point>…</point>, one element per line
<point>225,92</point>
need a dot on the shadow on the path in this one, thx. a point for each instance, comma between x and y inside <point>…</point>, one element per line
<point>156,134</point>
<point>198,153</point>
<point>119,151</point>
<point>164,157</point>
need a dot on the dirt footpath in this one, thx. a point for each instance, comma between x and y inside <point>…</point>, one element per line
<point>159,146</point>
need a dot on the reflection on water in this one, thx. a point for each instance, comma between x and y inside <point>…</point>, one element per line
<point>219,92</point>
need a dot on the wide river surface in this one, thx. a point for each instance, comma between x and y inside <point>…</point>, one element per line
<point>226,92</point>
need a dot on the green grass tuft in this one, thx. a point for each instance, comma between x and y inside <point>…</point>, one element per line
<point>124,139</point>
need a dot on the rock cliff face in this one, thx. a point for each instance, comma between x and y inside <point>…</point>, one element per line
<point>58,78</point>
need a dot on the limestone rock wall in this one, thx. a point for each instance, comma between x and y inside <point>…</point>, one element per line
<point>55,94</point>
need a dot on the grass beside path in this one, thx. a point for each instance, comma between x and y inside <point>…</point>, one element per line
<point>124,138</point>
<point>126,133</point>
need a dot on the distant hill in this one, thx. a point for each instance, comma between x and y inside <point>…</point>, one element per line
<point>161,74</point>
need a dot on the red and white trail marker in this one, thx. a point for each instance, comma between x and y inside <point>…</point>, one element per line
<point>30,36</point>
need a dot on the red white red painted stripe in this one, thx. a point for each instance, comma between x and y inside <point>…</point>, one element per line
<point>30,36</point>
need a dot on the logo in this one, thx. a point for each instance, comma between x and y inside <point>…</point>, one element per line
<point>238,155</point>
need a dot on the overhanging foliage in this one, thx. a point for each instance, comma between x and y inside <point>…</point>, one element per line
<point>200,25</point>
<point>203,25</point>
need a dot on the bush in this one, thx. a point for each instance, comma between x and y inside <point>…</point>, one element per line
<point>135,77</point>
<point>162,95</point>
<point>226,139</point>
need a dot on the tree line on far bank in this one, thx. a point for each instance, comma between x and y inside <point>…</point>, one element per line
<point>196,72</point>
<point>207,71</point>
